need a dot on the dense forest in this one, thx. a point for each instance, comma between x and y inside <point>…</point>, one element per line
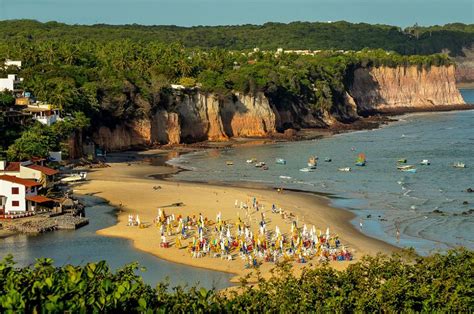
<point>437,283</point>
<point>111,74</point>
<point>270,36</point>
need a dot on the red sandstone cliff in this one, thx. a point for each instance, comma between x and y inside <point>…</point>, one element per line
<point>385,89</point>
<point>200,117</point>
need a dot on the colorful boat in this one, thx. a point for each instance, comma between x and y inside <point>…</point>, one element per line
<point>411,170</point>
<point>402,161</point>
<point>405,168</point>
<point>312,161</point>
<point>360,161</point>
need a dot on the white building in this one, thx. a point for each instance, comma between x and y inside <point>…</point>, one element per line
<point>9,63</point>
<point>10,83</point>
<point>27,170</point>
<point>18,196</point>
<point>44,113</point>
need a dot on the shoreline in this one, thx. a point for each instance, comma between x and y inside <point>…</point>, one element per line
<point>311,208</point>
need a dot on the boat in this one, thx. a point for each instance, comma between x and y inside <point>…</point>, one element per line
<point>425,162</point>
<point>327,159</point>
<point>405,168</point>
<point>402,161</point>
<point>346,169</point>
<point>280,161</point>
<point>229,163</point>
<point>265,167</point>
<point>260,164</point>
<point>312,161</point>
<point>459,165</point>
<point>360,161</point>
<point>285,177</point>
<point>251,161</point>
<point>81,176</point>
<point>411,170</point>
<point>306,170</point>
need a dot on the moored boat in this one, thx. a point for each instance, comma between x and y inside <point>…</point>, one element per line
<point>285,177</point>
<point>327,159</point>
<point>411,170</point>
<point>402,161</point>
<point>405,168</point>
<point>346,169</point>
<point>81,176</point>
<point>312,161</point>
<point>260,164</point>
<point>425,162</point>
<point>251,161</point>
<point>229,163</point>
<point>280,161</point>
<point>306,170</point>
<point>459,165</point>
<point>360,161</point>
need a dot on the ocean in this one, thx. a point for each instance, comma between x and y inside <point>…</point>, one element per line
<point>430,208</point>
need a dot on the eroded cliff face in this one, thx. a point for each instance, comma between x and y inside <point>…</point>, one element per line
<point>386,89</point>
<point>192,116</point>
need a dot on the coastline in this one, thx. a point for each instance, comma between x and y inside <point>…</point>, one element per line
<point>139,197</point>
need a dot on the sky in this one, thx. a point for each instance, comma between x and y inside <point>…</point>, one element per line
<point>232,12</point>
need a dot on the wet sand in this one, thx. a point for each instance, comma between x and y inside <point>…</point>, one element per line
<point>128,186</point>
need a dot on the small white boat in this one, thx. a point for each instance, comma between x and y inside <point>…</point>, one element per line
<point>81,176</point>
<point>306,170</point>
<point>405,168</point>
<point>425,162</point>
<point>280,161</point>
<point>285,177</point>
<point>251,161</point>
<point>459,165</point>
<point>260,164</point>
<point>346,169</point>
<point>327,159</point>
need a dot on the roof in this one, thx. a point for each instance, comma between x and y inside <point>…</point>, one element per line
<point>13,166</point>
<point>47,171</point>
<point>39,199</point>
<point>12,179</point>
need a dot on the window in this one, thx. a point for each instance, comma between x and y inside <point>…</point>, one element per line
<point>15,190</point>
<point>32,189</point>
<point>15,203</point>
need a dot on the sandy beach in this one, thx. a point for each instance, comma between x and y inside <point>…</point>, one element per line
<point>129,187</point>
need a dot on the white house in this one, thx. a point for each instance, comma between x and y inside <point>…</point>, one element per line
<point>18,196</point>
<point>30,171</point>
<point>8,63</point>
<point>44,113</point>
<point>10,83</point>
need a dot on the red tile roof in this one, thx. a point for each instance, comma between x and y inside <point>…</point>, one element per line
<point>47,171</point>
<point>27,183</point>
<point>39,199</point>
<point>13,166</point>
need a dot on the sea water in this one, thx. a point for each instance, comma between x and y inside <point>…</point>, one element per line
<point>430,208</point>
<point>81,246</point>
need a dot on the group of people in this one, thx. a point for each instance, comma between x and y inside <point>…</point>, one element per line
<point>242,238</point>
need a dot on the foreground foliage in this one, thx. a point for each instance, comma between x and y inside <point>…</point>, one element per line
<point>440,282</point>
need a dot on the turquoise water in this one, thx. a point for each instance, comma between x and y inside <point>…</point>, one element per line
<point>84,245</point>
<point>382,196</point>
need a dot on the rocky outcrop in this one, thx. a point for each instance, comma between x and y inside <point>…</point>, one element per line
<point>387,89</point>
<point>191,116</point>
